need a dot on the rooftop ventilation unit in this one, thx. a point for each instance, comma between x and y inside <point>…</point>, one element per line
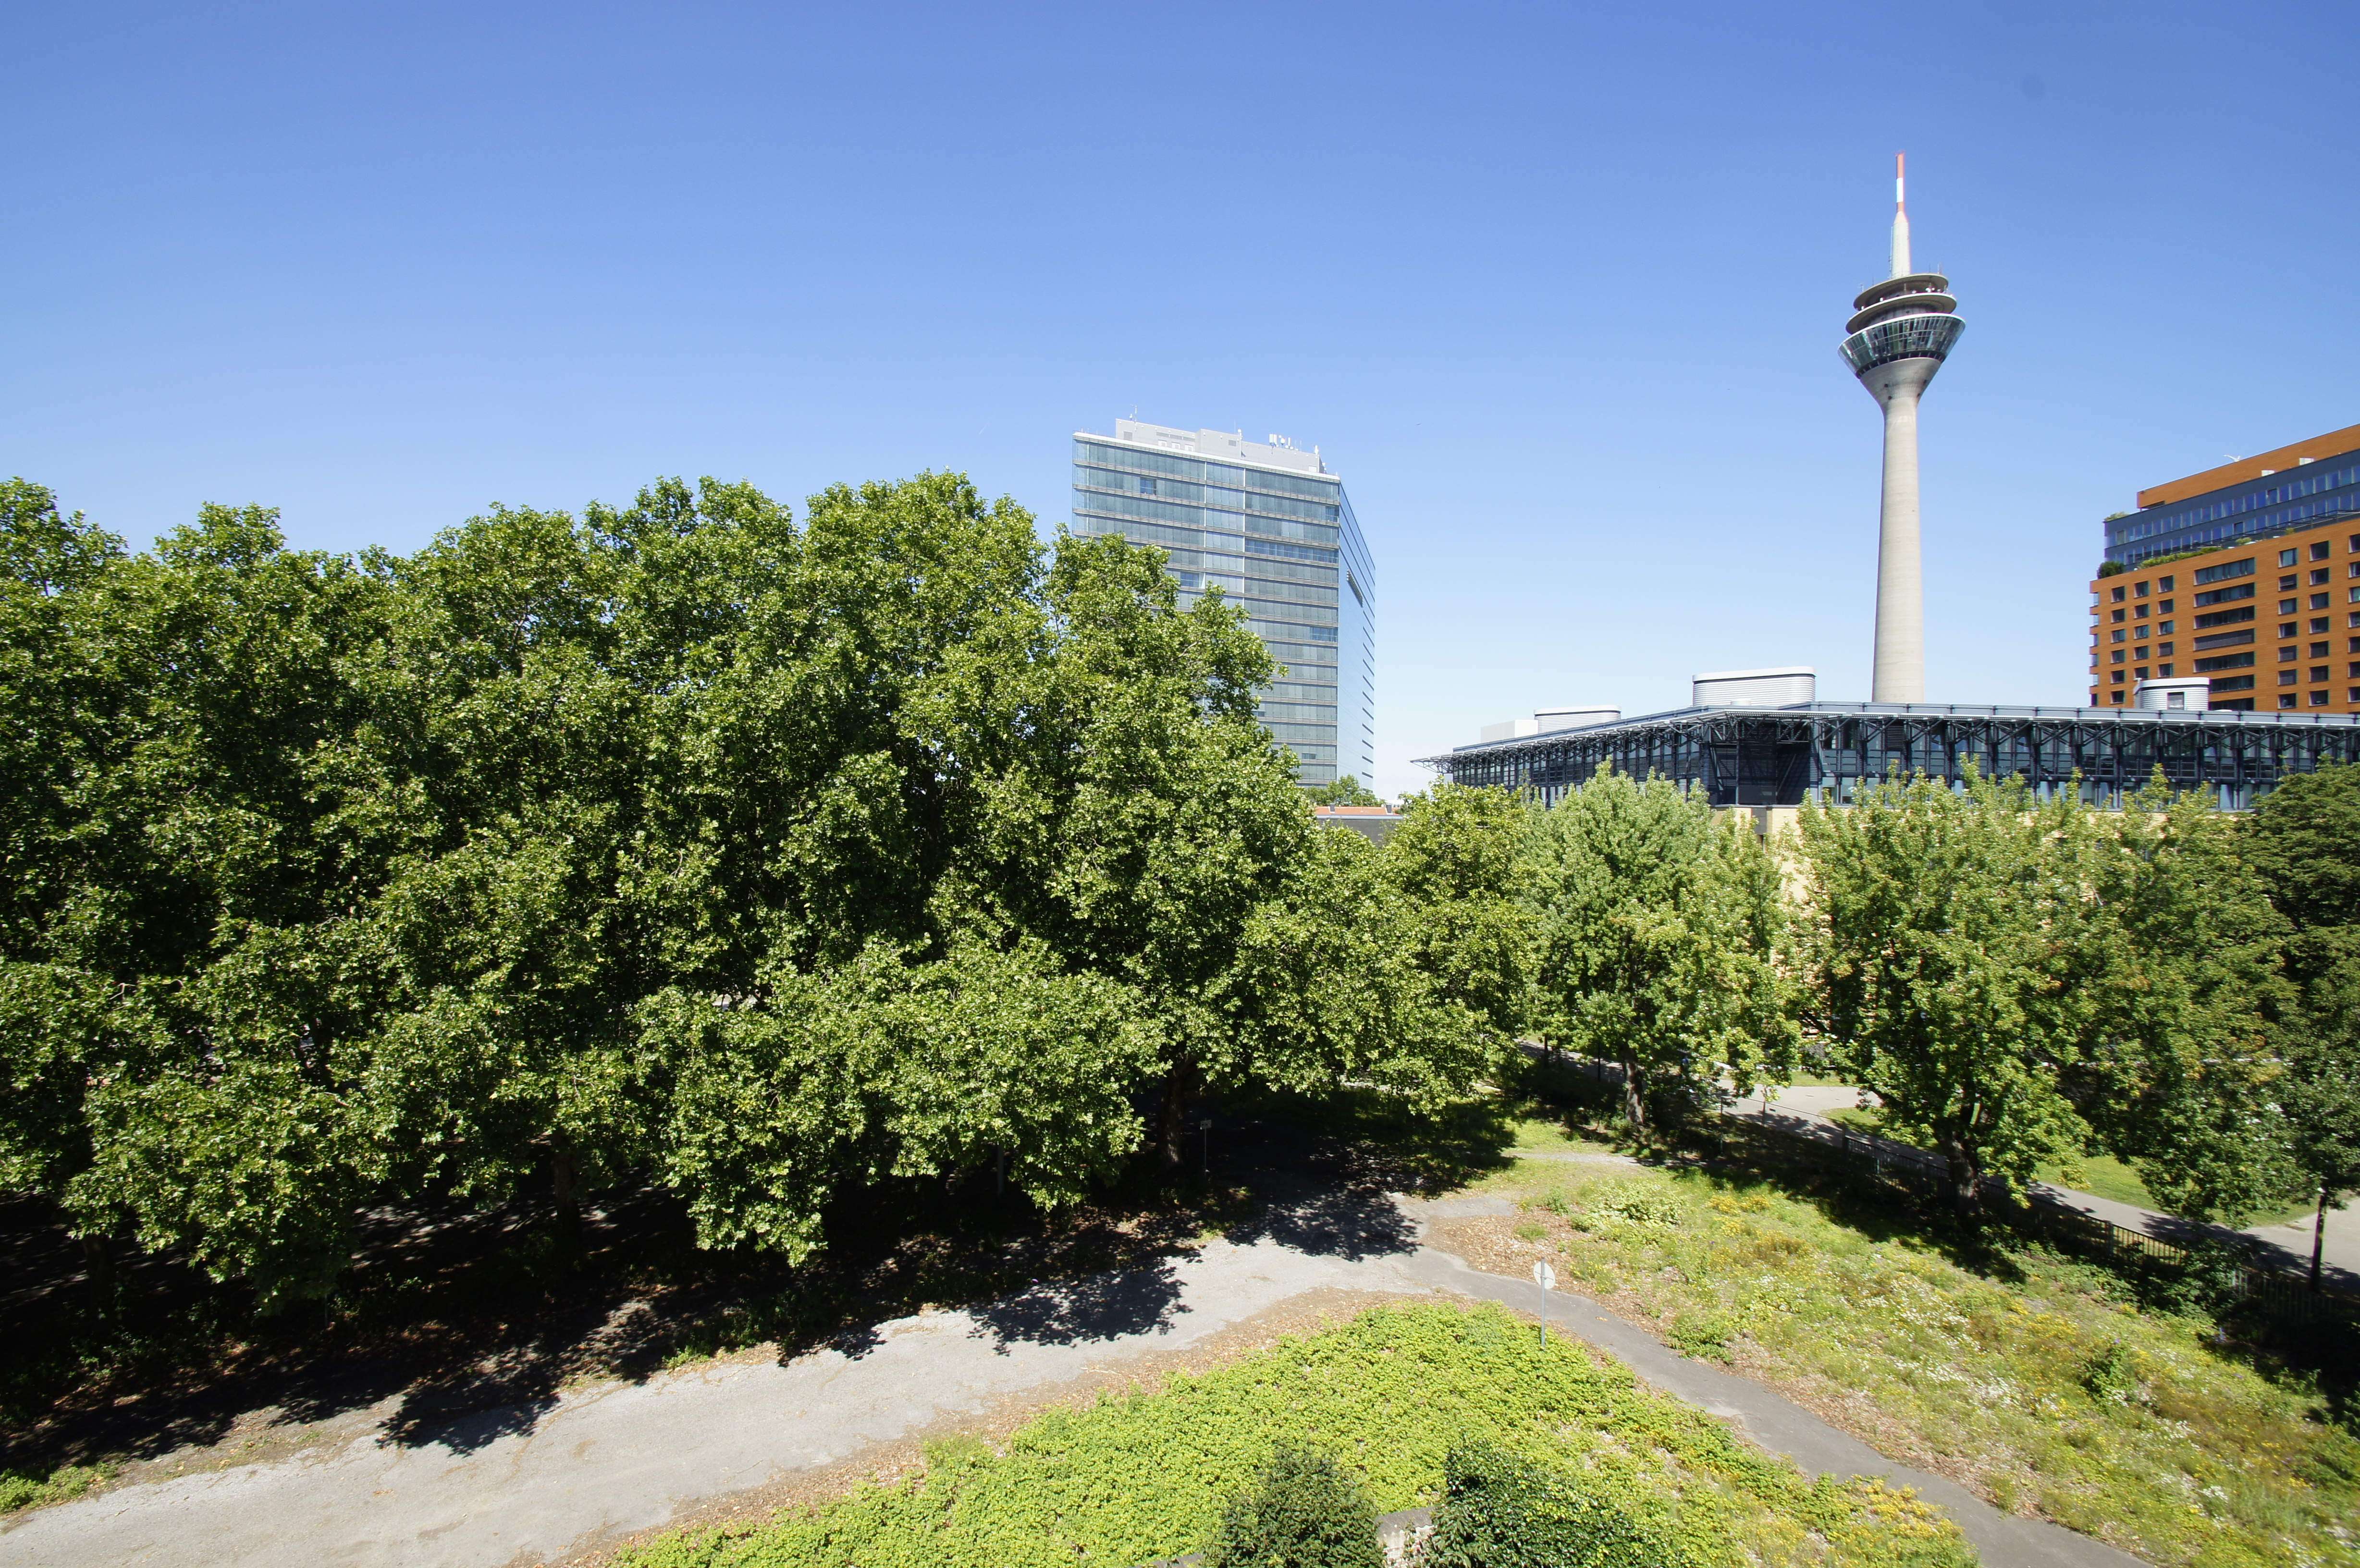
<point>1779,688</point>
<point>1551,720</point>
<point>2190,694</point>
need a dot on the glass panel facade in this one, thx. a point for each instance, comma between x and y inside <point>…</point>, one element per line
<point>1904,337</point>
<point>1829,751</point>
<point>2271,504</point>
<point>1284,547</point>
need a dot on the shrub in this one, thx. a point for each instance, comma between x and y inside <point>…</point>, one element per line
<point>2208,1282</point>
<point>1304,1512</point>
<point>2112,1374</point>
<point>1500,1511</point>
<point>1630,1203</point>
<point>31,1489</point>
<point>1702,1335</point>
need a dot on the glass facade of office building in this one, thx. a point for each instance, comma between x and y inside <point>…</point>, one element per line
<point>2271,504</point>
<point>1274,531</point>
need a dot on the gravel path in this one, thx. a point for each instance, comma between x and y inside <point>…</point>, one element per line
<point>618,1458</point>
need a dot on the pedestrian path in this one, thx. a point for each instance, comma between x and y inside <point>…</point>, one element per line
<point>1775,1422</point>
<point>618,1458</point>
<point>2286,1246</point>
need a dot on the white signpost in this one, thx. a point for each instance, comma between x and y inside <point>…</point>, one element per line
<point>1546,1278</point>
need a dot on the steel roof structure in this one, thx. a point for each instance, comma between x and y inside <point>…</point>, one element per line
<point>1824,751</point>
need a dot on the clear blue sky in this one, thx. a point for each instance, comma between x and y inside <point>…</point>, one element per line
<point>1557,289</point>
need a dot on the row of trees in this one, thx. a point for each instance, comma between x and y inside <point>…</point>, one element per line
<point>2018,980</point>
<point>764,860</point>
<point>681,842</point>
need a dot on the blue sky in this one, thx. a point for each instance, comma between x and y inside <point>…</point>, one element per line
<point>1555,288</point>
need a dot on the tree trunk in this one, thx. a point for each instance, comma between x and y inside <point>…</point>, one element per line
<point>1966,1181</point>
<point>565,1189</point>
<point>1180,1086</point>
<point>1635,1099</point>
<point>2318,1238</point>
<point>98,1272</point>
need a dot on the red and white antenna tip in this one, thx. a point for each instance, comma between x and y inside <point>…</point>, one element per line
<point>1900,223</point>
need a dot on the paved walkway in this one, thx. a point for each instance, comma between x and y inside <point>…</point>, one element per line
<point>619,1458</point>
<point>1776,1423</point>
<point>616,1458</point>
<point>2290,1245</point>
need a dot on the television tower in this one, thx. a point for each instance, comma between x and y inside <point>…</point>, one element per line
<point>1901,330</point>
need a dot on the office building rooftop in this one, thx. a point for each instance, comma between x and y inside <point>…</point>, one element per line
<point>2298,486</point>
<point>1277,453</point>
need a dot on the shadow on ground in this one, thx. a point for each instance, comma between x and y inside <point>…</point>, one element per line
<point>468,1324</point>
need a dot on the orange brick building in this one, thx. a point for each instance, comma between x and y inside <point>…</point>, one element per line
<point>2270,615</point>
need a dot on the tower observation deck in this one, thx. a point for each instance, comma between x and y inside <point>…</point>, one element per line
<point>1900,331</point>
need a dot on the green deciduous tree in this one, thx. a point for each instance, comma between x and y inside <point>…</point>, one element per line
<point>1345,791</point>
<point>2303,841</point>
<point>1657,931</point>
<point>2181,954</point>
<point>2021,980</point>
<point>1943,935</point>
<point>673,840</point>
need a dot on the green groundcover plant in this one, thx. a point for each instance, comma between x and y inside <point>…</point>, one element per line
<point>1389,1396</point>
<point>32,1490</point>
<point>2032,1376</point>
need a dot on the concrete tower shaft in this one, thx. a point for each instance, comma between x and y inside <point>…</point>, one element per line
<point>1901,330</point>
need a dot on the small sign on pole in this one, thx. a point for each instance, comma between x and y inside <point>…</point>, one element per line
<point>1546,1278</point>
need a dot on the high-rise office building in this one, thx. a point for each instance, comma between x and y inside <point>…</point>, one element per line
<point>1268,525</point>
<point>2247,575</point>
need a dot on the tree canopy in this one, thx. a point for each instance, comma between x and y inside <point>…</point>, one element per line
<point>2303,841</point>
<point>1658,937</point>
<point>2020,980</point>
<point>678,841</point>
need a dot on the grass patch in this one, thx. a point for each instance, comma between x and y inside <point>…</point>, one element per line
<point>31,1489</point>
<point>2022,1372</point>
<point>1540,1135</point>
<point>1144,1475</point>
